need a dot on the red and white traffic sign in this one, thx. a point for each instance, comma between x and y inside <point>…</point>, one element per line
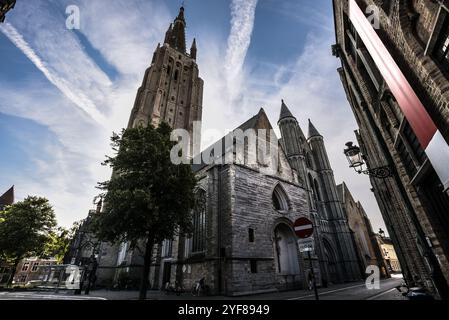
<point>303,228</point>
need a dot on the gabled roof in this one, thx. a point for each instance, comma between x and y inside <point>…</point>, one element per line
<point>7,198</point>
<point>259,121</point>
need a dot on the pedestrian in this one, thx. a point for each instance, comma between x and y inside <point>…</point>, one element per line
<point>91,274</point>
<point>82,279</point>
<point>310,280</point>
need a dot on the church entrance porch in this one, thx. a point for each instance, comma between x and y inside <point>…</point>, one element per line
<point>286,257</point>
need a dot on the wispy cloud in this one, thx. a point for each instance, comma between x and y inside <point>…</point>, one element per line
<point>89,105</point>
<point>315,14</point>
<point>242,24</point>
<point>80,99</point>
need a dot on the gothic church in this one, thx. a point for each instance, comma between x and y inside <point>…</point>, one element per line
<point>243,240</point>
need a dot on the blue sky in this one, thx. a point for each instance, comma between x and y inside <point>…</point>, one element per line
<point>63,92</point>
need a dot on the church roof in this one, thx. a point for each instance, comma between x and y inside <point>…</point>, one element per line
<point>313,132</point>
<point>7,198</point>
<point>252,123</point>
<point>285,112</point>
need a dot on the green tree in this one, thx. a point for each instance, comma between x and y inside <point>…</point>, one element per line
<point>59,242</point>
<point>148,199</point>
<point>25,230</point>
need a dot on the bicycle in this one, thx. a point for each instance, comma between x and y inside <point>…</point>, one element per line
<point>176,289</point>
<point>415,293</point>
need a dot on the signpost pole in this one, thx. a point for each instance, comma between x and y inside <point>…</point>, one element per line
<point>304,231</point>
<point>313,276</point>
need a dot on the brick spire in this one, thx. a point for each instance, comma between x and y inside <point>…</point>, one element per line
<point>176,34</point>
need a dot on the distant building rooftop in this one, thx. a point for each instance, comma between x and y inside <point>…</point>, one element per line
<point>7,198</point>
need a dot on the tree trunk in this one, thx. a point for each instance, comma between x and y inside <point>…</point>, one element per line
<point>13,272</point>
<point>146,269</point>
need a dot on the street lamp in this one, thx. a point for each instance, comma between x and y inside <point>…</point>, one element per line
<point>356,161</point>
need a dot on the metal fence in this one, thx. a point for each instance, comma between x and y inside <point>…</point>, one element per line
<point>58,277</point>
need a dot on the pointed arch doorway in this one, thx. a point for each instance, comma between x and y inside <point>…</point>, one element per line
<point>331,260</point>
<point>286,250</point>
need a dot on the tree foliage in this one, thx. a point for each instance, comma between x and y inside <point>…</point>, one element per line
<point>148,197</point>
<point>58,244</point>
<point>25,229</point>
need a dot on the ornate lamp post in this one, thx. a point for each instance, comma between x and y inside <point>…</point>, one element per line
<point>357,160</point>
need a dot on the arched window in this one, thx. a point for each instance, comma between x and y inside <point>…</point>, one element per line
<point>167,248</point>
<point>199,222</point>
<point>280,202</point>
<point>317,190</point>
<point>312,197</point>
<point>309,161</point>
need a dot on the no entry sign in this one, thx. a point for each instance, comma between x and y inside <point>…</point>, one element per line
<point>303,228</point>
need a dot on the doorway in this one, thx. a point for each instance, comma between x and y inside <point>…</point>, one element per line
<point>286,250</point>
<point>166,274</point>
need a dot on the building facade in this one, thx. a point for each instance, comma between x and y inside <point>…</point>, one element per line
<point>6,199</point>
<point>414,201</point>
<point>30,269</point>
<point>84,244</point>
<point>5,6</point>
<point>389,255</point>
<point>243,239</point>
<point>308,157</point>
<point>366,243</point>
<point>5,273</point>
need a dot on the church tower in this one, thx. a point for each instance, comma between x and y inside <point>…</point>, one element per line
<point>172,90</point>
<point>293,141</point>
<point>338,227</point>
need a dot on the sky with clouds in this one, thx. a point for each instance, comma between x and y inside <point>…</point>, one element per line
<point>63,92</point>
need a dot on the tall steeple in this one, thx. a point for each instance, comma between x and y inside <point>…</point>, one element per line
<point>172,90</point>
<point>168,34</point>
<point>285,112</point>
<point>313,132</point>
<point>316,142</point>
<point>293,141</point>
<point>193,49</point>
<point>176,34</point>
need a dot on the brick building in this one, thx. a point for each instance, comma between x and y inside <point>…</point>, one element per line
<point>365,239</point>
<point>30,269</point>
<point>389,255</point>
<point>413,37</point>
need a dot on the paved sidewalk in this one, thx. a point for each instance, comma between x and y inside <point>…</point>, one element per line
<point>347,291</point>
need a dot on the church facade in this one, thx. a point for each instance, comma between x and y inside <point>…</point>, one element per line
<point>243,239</point>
